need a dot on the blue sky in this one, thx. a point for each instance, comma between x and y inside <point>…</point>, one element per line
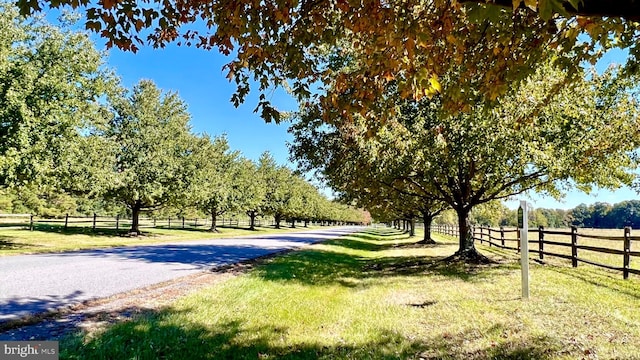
<point>197,76</point>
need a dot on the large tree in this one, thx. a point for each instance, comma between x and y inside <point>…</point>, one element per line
<point>413,43</point>
<point>212,188</point>
<point>148,150</point>
<point>51,80</point>
<point>586,132</point>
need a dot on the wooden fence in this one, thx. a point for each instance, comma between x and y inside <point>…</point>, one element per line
<point>445,229</point>
<point>22,221</point>
<point>595,247</point>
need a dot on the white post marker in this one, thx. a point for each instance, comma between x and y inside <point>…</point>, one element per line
<point>523,225</point>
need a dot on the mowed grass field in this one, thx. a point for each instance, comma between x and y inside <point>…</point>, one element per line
<point>53,238</point>
<point>376,295</point>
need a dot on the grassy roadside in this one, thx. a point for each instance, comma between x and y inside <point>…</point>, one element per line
<point>55,239</point>
<point>374,295</point>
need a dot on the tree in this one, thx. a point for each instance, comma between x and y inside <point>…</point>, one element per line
<point>626,213</point>
<point>248,190</point>
<point>581,216</point>
<point>212,187</point>
<point>149,150</point>
<point>413,43</point>
<point>283,197</point>
<point>302,198</point>
<point>51,79</point>
<point>487,214</point>
<point>599,212</point>
<point>311,203</point>
<point>529,141</point>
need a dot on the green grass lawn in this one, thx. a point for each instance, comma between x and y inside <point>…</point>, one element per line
<point>54,238</point>
<point>376,296</point>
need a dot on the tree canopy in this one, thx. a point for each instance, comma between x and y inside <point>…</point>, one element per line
<point>148,150</point>
<point>587,132</point>
<point>51,79</point>
<point>413,43</point>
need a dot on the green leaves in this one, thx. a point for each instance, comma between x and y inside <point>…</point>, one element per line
<point>150,153</point>
<point>52,78</point>
<point>550,131</point>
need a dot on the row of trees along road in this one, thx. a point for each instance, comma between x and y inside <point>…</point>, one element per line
<point>423,160</point>
<point>468,100</point>
<point>67,125</point>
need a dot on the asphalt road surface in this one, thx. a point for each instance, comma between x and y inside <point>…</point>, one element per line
<point>31,284</point>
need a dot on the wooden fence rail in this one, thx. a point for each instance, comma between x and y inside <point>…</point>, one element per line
<point>21,221</point>
<point>610,252</point>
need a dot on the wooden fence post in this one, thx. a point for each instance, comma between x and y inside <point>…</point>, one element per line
<point>574,249</point>
<point>627,249</point>
<point>66,221</point>
<point>490,237</point>
<point>541,241</point>
<point>481,234</point>
<point>518,238</point>
<point>502,235</point>
<point>117,222</point>
<point>94,221</point>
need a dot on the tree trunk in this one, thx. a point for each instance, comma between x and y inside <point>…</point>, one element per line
<point>252,220</point>
<point>135,217</point>
<point>214,217</point>
<point>412,227</point>
<point>467,251</point>
<point>277,219</point>
<point>293,223</point>
<point>306,223</point>
<point>427,219</point>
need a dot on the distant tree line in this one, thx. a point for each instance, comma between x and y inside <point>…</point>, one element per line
<point>600,215</point>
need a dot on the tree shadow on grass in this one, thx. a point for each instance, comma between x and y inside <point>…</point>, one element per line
<point>9,243</point>
<point>168,335</point>
<point>370,240</point>
<point>376,234</point>
<point>355,244</point>
<point>314,267</point>
<point>325,267</point>
<point>434,265</point>
<point>71,230</point>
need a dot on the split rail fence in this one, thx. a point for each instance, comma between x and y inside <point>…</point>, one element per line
<point>95,222</point>
<point>596,247</point>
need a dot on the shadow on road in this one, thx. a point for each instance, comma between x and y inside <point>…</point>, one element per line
<point>14,307</point>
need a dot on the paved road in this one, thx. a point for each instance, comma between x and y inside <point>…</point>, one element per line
<point>32,284</point>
